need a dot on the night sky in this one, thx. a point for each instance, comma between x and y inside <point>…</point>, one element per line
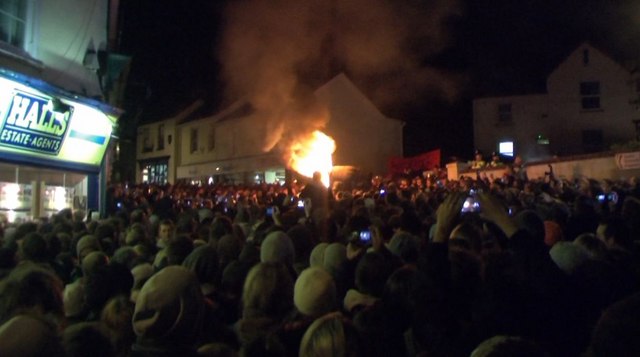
<point>458,50</point>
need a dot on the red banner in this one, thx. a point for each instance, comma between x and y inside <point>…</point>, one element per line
<point>426,161</point>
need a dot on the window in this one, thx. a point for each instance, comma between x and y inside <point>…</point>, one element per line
<point>13,22</point>
<point>147,144</point>
<point>590,93</point>
<point>194,140</point>
<point>212,138</point>
<point>156,172</point>
<point>506,148</point>
<point>504,113</point>
<point>161,137</point>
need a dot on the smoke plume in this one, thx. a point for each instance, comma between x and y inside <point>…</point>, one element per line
<point>276,52</point>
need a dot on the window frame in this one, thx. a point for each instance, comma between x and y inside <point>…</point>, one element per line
<point>590,92</point>
<point>26,13</point>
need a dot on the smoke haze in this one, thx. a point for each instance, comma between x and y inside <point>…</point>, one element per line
<point>276,52</point>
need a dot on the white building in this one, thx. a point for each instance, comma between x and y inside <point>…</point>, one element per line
<point>589,105</point>
<point>58,89</point>
<point>229,145</point>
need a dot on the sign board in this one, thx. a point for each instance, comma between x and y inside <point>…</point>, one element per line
<point>628,160</point>
<point>51,128</point>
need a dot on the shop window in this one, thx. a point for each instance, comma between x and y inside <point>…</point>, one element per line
<point>590,95</point>
<point>155,173</point>
<point>161,137</point>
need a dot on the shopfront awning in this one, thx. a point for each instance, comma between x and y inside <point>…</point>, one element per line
<point>43,125</point>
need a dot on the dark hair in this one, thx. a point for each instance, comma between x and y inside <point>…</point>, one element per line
<point>87,339</point>
<point>34,248</point>
<point>28,286</point>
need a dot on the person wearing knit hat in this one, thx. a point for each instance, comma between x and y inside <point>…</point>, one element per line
<point>277,247</point>
<point>141,273</point>
<point>314,292</point>
<point>228,249</point>
<point>73,299</point>
<point>405,246</point>
<point>94,261</point>
<point>203,261</point>
<point>74,295</point>
<point>568,256</point>
<point>334,257</point>
<point>86,245</point>
<point>126,256</point>
<point>169,313</point>
<point>316,259</point>
<point>29,336</point>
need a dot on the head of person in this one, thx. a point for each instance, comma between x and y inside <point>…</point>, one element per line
<point>315,292</point>
<point>317,176</point>
<point>277,247</point>
<point>169,311</point>
<point>267,291</point>
<point>31,289</point>
<point>87,339</point>
<point>616,332</point>
<point>330,335</point>
<point>165,230</point>
<point>503,346</point>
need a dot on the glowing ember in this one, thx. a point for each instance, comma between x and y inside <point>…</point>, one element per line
<point>312,154</point>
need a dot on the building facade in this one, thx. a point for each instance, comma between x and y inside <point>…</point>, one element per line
<point>589,105</point>
<point>55,115</point>
<point>229,146</point>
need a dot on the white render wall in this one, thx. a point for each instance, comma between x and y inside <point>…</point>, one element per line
<point>365,138</point>
<point>67,28</point>
<point>558,114</point>
<point>616,88</point>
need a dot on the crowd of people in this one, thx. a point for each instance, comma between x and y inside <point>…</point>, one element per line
<point>411,266</point>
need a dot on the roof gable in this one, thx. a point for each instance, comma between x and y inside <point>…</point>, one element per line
<point>584,54</point>
<point>342,90</point>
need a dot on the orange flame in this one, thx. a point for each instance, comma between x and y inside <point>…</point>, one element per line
<point>313,154</point>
